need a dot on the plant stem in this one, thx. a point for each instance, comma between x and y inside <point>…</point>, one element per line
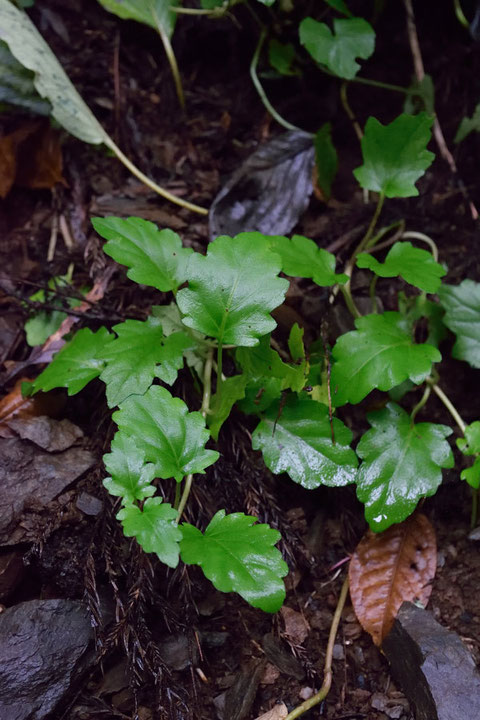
<point>448,404</point>
<point>413,235</point>
<point>172,60</point>
<point>207,390</point>
<point>349,301</point>
<point>150,183</point>
<point>474,511</point>
<point>421,403</point>
<point>349,111</point>
<point>327,670</point>
<point>178,492</point>
<point>460,15</point>
<point>219,373</point>
<point>258,86</point>
<point>366,238</point>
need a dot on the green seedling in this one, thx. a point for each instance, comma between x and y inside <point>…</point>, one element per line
<point>222,303</point>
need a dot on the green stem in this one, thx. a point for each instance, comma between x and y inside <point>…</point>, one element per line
<point>426,394</point>
<point>258,86</point>
<point>449,405</point>
<point>219,373</point>
<point>327,670</point>
<point>150,183</point>
<point>349,301</point>
<point>349,111</point>
<point>172,60</point>
<point>373,83</point>
<point>460,16</point>
<point>207,391</point>
<point>413,235</point>
<point>178,493</point>
<point>371,291</point>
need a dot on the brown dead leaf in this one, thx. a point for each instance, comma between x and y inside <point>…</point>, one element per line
<point>14,406</point>
<point>389,568</point>
<point>30,156</point>
<point>296,627</point>
<point>278,712</point>
<point>39,159</point>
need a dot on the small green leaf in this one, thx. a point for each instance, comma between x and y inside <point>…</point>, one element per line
<point>137,355</point>
<point>233,389</point>
<point>260,393</point>
<point>472,474</point>
<point>326,159</point>
<point>352,38</point>
<point>468,125</point>
<point>297,439</point>
<point>171,320</point>
<point>301,257</point>
<point>148,12</point>
<point>340,6</point>
<point>172,438</point>
<point>378,354</point>
<point>421,97</point>
<point>401,463</point>
<point>414,265</point>
<point>130,475</point>
<point>78,362</point>
<point>470,444</point>
<point>233,289</point>
<point>154,528</point>
<point>263,362</point>
<point>281,57</point>
<point>238,556</point>
<point>462,316</point>
<point>155,257</point>
<point>295,343</point>
<point>416,307</point>
<point>395,155</point>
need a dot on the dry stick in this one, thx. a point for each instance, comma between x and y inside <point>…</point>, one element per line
<point>437,130</point>
<point>327,670</point>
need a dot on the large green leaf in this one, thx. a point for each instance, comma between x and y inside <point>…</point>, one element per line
<point>78,362</point>
<point>154,528</point>
<point>172,438</point>
<point>395,155</point>
<point>297,439</point>
<point>155,257</point>
<point>462,316</point>
<point>238,556</point>
<point>378,354</point>
<point>148,12</point>
<point>130,474</point>
<point>414,265</point>
<point>352,38</point>
<point>50,80</point>
<point>301,257</point>
<point>137,355</point>
<point>232,290</point>
<point>16,84</point>
<point>401,463</point>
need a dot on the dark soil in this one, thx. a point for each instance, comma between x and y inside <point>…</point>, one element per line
<point>70,553</point>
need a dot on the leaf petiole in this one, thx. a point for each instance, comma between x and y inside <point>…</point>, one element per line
<point>448,404</point>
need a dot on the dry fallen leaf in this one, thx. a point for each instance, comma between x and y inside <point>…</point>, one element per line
<point>296,627</point>
<point>278,712</point>
<point>14,406</point>
<point>389,568</point>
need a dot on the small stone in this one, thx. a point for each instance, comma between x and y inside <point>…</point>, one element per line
<point>89,504</point>
<point>338,652</point>
<point>306,693</point>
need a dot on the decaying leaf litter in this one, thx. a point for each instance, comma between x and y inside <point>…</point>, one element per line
<point>335,546</point>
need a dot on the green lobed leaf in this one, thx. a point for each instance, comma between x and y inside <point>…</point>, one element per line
<point>238,556</point>
<point>154,13</point>
<point>171,320</point>
<point>352,38</point>
<point>171,437</point>
<point>326,159</point>
<point>401,463</point>
<point>262,362</point>
<point>154,528</point>
<point>130,474</point>
<point>154,257</point>
<point>415,265</point>
<point>470,445</point>
<point>297,439</point>
<point>137,355</point>
<point>416,307</point>
<point>462,317</point>
<point>233,389</point>
<point>468,125</point>
<point>78,362</point>
<point>301,257</point>
<point>395,155</point>
<point>378,354</point>
<point>30,49</point>
<point>232,290</point>
<point>281,57</point>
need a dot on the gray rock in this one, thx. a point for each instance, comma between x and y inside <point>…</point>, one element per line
<point>43,650</point>
<point>437,673</point>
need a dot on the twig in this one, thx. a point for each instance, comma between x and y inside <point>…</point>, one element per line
<point>420,74</point>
